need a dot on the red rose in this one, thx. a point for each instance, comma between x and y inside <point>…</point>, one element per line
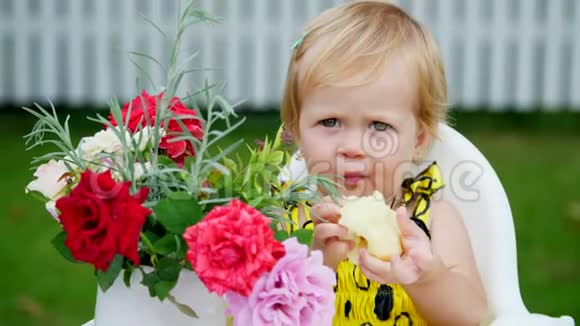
<point>231,247</point>
<point>102,219</point>
<point>180,149</point>
<point>143,110</point>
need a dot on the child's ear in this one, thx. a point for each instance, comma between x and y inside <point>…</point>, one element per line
<point>422,140</point>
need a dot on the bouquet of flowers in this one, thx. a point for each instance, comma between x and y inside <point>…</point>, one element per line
<point>152,188</point>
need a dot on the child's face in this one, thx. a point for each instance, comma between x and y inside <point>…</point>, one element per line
<point>365,134</point>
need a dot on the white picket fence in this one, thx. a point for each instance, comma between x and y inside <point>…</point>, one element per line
<point>498,53</point>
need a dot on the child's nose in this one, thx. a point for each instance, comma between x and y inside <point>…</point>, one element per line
<point>351,145</point>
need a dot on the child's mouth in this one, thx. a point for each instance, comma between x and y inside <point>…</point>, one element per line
<point>353,178</point>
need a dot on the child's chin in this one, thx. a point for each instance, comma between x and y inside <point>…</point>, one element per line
<point>359,190</point>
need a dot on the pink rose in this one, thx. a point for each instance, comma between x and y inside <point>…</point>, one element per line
<point>231,247</point>
<point>298,291</point>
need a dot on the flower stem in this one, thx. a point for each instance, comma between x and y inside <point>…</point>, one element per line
<point>151,250</point>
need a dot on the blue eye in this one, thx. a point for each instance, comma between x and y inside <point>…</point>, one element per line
<point>329,123</point>
<point>380,126</point>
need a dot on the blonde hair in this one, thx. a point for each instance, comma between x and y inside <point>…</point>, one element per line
<point>358,37</point>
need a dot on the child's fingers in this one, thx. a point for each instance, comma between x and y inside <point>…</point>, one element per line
<point>374,266</point>
<point>324,231</point>
<point>407,226</point>
<point>331,241</point>
<point>403,219</point>
<point>422,258</point>
<point>404,270</point>
<point>372,276</point>
<point>325,212</point>
<point>328,199</point>
<point>335,251</point>
<point>403,265</point>
<point>337,248</point>
<point>410,243</point>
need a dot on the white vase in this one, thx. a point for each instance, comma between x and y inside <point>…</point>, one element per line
<point>123,306</point>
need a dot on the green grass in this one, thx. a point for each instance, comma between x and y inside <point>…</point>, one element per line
<point>537,157</point>
<point>540,171</point>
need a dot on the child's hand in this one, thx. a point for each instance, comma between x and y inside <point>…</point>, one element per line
<point>329,237</point>
<point>415,262</point>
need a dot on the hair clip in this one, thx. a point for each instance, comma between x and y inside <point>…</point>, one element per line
<point>298,42</point>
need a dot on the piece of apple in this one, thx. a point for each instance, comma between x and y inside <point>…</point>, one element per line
<point>372,224</point>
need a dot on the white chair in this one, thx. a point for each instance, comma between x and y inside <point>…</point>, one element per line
<point>476,191</point>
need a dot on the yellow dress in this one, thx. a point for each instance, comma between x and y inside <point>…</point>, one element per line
<point>360,301</point>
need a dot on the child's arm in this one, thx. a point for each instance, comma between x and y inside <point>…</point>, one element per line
<point>451,293</point>
<point>440,275</point>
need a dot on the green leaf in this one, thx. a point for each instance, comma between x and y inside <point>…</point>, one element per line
<point>230,165</point>
<point>214,177</point>
<point>248,173</point>
<point>278,137</point>
<point>58,243</point>
<point>303,236</point>
<point>106,279</point>
<point>180,195</point>
<point>178,214</point>
<point>276,158</point>
<point>189,161</point>
<point>127,277</point>
<point>181,248</point>
<point>273,224</point>
<point>262,156</point>
<point>281,235</point>
<point>165,161</point>
<point>36,195</point>
<point>149,280</point>
<point>163,278</point>
<point>168,269</point>
<point>162,288</point>
<point>151,236</point>
<point>256,201</point>
<point>166,245</point>
<point>182,307</point>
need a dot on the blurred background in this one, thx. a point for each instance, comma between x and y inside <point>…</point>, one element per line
<point>514,73</point>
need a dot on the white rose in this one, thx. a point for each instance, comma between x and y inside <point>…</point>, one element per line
<point>49,180</point>
<point>141,168</point>
<point>104,141</point>
<point>51,208</point>
<point>104,165</point>
<point>144,138</point>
